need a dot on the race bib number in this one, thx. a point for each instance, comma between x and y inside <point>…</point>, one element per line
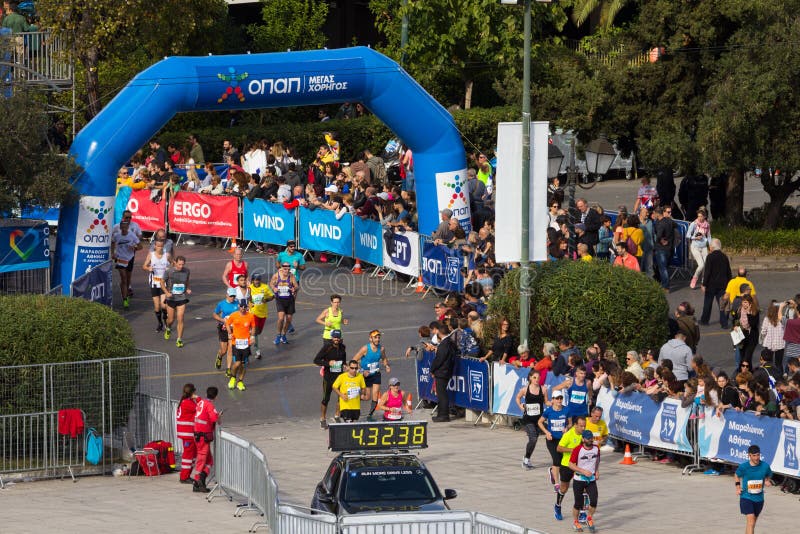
<point>178,289</point>
<point>558,425</point>
<point>754,487</point>
<point>284,292</point>
<point>121,264</point>
<point>373,367</point>
<point>336,367</point>
<point>353,393</point>
<point>534,409</point>
<point>242,343</point>
<point>258,299</point>
<point>577,397</point>
<point>394,415</point>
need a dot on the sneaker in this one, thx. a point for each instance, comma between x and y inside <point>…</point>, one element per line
<point>232,382</point>
<point>228,373</point>
<point>323,424</point>
<point>557,512</point>
<point>125,303</point>
<point>284,340</point>
<point>240,386</point>
<point>711,472</point>
<point>291,329</point>
<point>167,333</point>
<point>277,340</point>
<point>179,343</point>
<point>258,355</point>
<point>159,329</point>
<point>338,419</point>
<point>526,463</point>
<point>590,523</point>
<point>576,526</point>
<point>218,362</point>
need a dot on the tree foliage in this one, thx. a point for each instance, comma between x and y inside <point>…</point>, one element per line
<point>290,24</point>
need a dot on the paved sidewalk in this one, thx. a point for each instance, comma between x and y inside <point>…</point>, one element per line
<point>482,464</point>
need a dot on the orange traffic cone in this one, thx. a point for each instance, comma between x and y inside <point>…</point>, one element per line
<point>628,458</point>
<point>420,286</point>
<point>408,402</point>
<point>233,246</point>
<point>357,268</point>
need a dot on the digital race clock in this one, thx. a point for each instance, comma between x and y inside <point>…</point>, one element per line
<point>378,436</point>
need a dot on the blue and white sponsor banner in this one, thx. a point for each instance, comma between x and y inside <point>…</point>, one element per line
<point>401,253</point>
<point>637,418</point>
<point>728,437</point>
<point>680,253</point>
<point>368,241</point>
<point>469,386</point>
<point>24,246</point>
<point>320,230</point>
<point>267,222</point>
<point>96,285</point>
<point>507,380</point>
<point>38,212</point>
<point>441,267</point>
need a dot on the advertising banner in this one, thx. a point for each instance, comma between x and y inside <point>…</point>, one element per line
<point>96,285</point>
<point>727,438</point>
<point>25,246</point>
<point>200,214</point>
<point>468,386</point>
<point>93,233</point>
<point>401,253</point>
<point>320,230</point>
<point>368,241</point>
<point>267,222</point>
<point>441,267</point>
<point>452,194</point>
<point>147,214</point>
<point>680,254</point>
<point>637,418</point>
<point>506,382</point>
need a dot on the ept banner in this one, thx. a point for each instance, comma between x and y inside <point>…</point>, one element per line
<point>267,222</point>
<point>147,214</point>
<point>24,246</point>
<point>637,418</point>
<point>441,267</point>
<point>320,230</point>
<point>468,387</point>
<point>367,241</point>
<point>200,214</point>
<point>728,437</point>
<point>96,285</point>
<point>401,253</point>
<point>506,382</point>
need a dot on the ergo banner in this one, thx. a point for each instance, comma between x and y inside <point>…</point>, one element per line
<point>200,214</point>
<point>147,214</point>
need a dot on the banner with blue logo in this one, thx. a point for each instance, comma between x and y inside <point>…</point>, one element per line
<point>267,222</point>
<point>441,267</point>
<point>38,212</point>
<point>368,241</point>
<point>320,230</point>
<point>401,253</point>
<point>96,285</point>
<point>637,418</point>
<point>507,380</point>
<point>728,437</point>
<point>680,253</point>
<point>468,387</point>
<point>24,245</point>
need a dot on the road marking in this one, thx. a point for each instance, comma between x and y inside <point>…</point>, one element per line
<point>249,370</point>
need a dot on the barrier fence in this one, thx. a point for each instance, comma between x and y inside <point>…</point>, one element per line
<point>46,411</point>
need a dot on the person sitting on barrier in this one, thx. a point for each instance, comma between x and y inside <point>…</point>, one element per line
<point>553,424</point>
<point>522,358</point>
<point>503,344</point>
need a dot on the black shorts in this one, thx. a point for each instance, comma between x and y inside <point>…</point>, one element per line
<point>552,448</point>
<point>327,389</point>
<point>372,379</point>
<point>156,291</point>
<point>222,333</point>
<point>565,474</point>
<point>241,355</point>
<point>176,303</point>
<point>591,490</point>
<point>747,507</point>
<point>129,268</point>
<point>350,415</point>
<point>285,305</point>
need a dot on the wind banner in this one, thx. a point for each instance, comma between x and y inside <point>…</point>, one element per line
<point>267,222</point>
<point>368,241</point>
<point>320,230</point>
<point>201,214</point>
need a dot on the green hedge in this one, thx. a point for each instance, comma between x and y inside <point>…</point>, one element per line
<point>478,127</point>
<point>585,302</point>
<point>757,241</point>
<point>53,329</point>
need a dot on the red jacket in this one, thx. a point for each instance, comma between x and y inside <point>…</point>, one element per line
<point>206,416</point>
<point>187,410</point>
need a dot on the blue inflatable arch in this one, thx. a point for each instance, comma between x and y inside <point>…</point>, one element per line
<point>249,81</point>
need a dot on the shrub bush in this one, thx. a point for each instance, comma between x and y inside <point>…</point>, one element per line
<point>585,302</point>
<point>757,241</point>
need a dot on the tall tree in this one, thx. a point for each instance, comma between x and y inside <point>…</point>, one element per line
<point>608,11</point>
<point>290,24</point>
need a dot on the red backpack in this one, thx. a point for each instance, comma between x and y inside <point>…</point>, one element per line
<point>165,457</point>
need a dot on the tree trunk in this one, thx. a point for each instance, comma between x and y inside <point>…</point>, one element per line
<point>90,61</point>
<point>778,193</point>
<point>735,197</point>
<point>468,94</point>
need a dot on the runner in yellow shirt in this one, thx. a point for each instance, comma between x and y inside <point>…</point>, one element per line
<point>260,294</point>
<point>350,387</point>
<point>331,318</point>
<point>597,426</point>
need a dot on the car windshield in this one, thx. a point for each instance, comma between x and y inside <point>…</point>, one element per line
<point>388,483</point>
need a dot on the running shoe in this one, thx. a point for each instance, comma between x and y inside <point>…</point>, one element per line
<point>167,333</point>
<point>323,424</point>
<point>179,343</point>
<point>277,340</point>
<point>284,340</point>
<point>590,523</point>
<point>557,512</point>
<point>228,373</point>
<point>125,303</point>
<point>218,362</point>
<point>258,355</point>
<point>291,329</point>
<point>576,526</point>
<point>232,382</point>
<point>526,463</point>
<point>338,419</point>
<point>240,386</point>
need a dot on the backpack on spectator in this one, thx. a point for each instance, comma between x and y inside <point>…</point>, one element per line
<point>630,246</point>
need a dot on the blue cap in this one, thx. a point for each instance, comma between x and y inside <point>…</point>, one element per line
<point>242,303</point>
<point>587,434</point>
<point>336,334</point>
